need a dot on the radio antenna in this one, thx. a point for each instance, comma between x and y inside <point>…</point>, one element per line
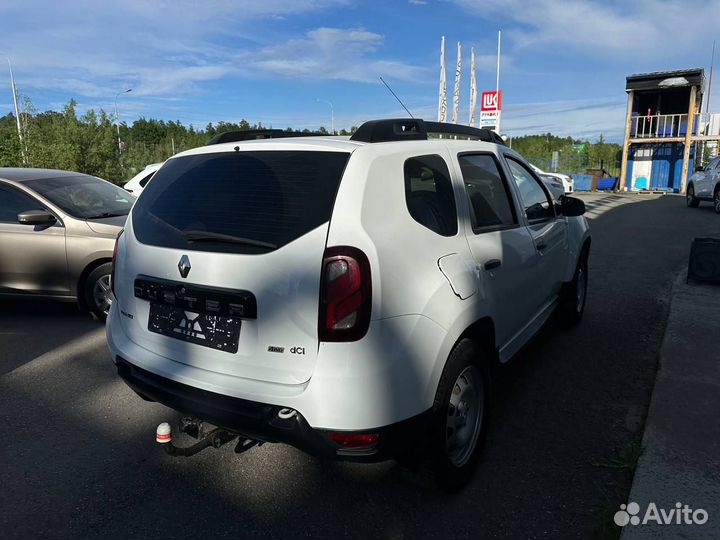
<point>394,94</point>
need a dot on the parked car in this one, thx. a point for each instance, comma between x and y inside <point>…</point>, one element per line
<point>554,184</point>
<point>57,233</point>
<point>704,185</point>
<point>567,181</point>
<point>347,297</point>
<point>138,182</point>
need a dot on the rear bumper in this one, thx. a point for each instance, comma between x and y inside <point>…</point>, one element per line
<point>261,421</point>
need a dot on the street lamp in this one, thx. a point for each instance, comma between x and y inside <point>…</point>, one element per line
<point>117,119</point>
<point>332,113</point>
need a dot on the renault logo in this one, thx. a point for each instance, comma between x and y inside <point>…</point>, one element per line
<point>184,266</point>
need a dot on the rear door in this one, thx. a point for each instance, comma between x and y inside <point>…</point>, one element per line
<point>548,230</point>
<point>500,243</point>
<point>222,262</point>
<point>32,258</point>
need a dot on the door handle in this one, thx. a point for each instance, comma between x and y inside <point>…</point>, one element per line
<point>493,263</point>
<point>541,245</point>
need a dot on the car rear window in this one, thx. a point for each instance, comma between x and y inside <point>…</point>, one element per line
<point>246,202</point>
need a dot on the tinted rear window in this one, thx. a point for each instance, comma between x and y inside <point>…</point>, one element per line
<point>270,197</point>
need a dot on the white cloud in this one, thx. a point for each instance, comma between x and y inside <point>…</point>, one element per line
<point>330,53</point>
<point>158,48</point>
<point>642,29</point>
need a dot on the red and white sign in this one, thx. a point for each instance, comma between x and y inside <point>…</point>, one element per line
<point>491,102</point>
<point>490,106</point>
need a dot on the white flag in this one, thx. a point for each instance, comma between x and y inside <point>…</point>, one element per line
<point>442,100</point>
<point>473,88</point>
<point>456,93</point>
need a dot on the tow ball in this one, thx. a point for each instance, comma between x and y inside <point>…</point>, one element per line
<point>215,438</point>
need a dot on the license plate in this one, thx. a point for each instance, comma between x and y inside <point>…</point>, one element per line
<point>215,331</point>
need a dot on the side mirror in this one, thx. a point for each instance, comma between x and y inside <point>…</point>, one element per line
<point>699,168</point>
<point>36,217</point>
<point>572,206</point>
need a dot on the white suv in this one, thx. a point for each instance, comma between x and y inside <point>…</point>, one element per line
<point>704,185</point>
<point>138,182</point>
<point>345,296</point>
<point>565,181</point>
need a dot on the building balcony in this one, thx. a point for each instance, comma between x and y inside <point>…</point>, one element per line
<point>669,126</point>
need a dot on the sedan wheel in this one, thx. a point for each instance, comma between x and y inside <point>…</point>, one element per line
<point>98,291</point>
<point>690,198</point>
<point>716,202</point>
<point>102,294</point>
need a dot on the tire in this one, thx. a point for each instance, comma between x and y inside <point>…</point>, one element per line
<point>459,416</point>
<point>690,199</point>
<point>574,295</point>
<point>716,201</point>
<point>98,297</point>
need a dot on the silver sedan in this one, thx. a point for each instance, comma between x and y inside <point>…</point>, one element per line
<point>57,233</point>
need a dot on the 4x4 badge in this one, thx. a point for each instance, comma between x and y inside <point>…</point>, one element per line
<point>184,266</point>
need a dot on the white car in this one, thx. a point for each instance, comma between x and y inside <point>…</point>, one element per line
<point>348,297</point>
<point>567,182</point>
<point>704,185</point>
<point>138,182</point>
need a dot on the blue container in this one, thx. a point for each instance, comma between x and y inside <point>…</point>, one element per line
<point>583,182</point>
<point>606,184</point>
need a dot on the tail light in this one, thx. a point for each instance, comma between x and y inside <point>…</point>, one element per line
<point>112,271</point>
<point>354,441</point>
<point>345,295</point>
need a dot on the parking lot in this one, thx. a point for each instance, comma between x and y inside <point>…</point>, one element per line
<point>79,457</point>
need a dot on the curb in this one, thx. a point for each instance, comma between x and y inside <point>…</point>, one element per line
<point>680,463</point>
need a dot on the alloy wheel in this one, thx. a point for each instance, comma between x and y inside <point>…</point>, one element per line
<point>102,294</point>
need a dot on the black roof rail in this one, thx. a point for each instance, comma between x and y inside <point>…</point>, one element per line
<point>254,134</point>
<point>415,129</point>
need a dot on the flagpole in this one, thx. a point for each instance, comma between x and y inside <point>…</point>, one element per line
<point>497,86</point>
<point>712,62</point>
<point>17,114</point>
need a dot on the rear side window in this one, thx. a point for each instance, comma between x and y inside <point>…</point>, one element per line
<point>429,195</point>
<point>146,179</point>
<point>238,202</point>
<point>488,193</point>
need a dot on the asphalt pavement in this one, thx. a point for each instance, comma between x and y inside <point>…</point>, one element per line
<point>79,458</point>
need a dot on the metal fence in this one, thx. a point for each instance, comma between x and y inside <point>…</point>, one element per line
<point>577,165</point>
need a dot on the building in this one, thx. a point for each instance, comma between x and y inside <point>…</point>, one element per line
<point>665,129</point>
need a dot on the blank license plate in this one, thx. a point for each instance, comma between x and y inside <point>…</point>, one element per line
<point>215,331</point>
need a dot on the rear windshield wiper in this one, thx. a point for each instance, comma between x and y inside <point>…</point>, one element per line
<point>206,236</point>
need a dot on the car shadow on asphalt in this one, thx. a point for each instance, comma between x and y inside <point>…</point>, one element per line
<point>32,327</point>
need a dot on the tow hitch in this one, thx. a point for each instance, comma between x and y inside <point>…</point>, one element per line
<point>215,438</point>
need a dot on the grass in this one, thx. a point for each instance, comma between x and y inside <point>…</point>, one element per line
<point>624,464</point>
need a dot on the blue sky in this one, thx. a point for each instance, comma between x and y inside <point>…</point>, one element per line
<point>564,62</point>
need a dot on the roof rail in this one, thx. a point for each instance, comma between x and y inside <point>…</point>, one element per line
<point>254,134</point>
<point>414,129</point>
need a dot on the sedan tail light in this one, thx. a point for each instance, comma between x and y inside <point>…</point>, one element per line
<point>345,295</point>
<point>114,256</point>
